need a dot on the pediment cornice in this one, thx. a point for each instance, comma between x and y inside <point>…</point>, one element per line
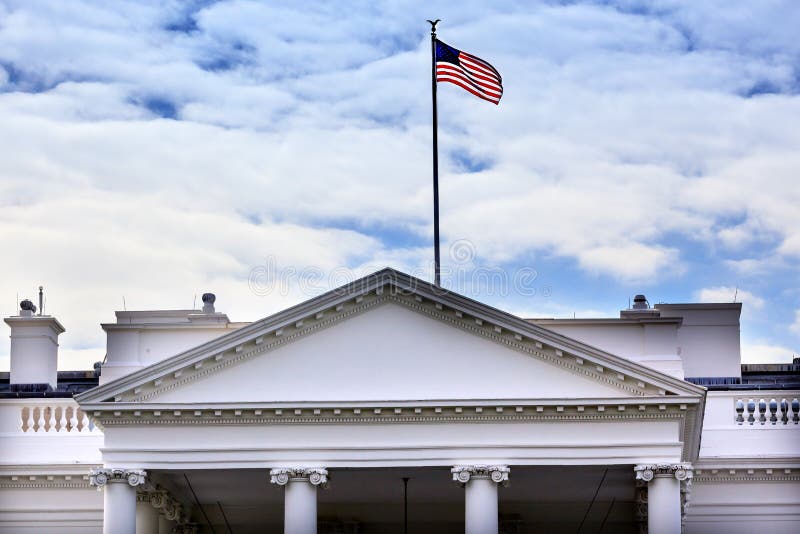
<point>358,297</point>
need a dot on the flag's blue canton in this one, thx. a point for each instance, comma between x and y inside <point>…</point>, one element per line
<point>446,53</point>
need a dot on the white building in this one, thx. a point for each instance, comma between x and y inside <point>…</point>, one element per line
<point>416,409</point>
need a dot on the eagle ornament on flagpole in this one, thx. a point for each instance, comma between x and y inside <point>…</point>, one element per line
<point>475,76</point>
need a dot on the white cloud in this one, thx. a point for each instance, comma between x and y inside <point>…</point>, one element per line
<point>795,327</point>
<point>766,353</point>
<point>98,248</point>
<point>752,266</point>
<point>723,294</point>
<point>631,262</point>
<point>623,134</point>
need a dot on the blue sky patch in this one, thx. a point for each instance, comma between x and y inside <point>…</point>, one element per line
<point>159,106</point>
<point>668,169</point>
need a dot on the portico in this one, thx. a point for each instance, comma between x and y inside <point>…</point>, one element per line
<point>390,378</point>
<point>539,499</point>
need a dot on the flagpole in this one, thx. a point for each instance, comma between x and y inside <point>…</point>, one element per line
<point>437,265</point>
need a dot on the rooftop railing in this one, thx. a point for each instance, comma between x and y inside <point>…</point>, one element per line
<point>763,411</point>
<point>44,416</point>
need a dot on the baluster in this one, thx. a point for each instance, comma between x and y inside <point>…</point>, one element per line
<point>73,420</point>
<point>784,411</point>
<point>62,419</point>
<point>739,411</point>
<point>762,411</point>
<point>40,420</point>
<point>795,411</point>
<point>751,408</point>
<point>92,428</point>
<point>51,418</point>
<point>30,422</point>
<point>82,421</point>
<point>86,422</point>
<point>773,411</point>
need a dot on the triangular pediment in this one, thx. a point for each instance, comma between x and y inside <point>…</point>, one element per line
<point>388,353</point>
<point>388,337</point>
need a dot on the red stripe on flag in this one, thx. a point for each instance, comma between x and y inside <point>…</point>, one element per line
<point>477,80</point>
<point>464,82</point>
<point>469,89</point>
<point>481,62</point>
<point>483,87</point>
<point>481,75</point>
<point>460,80</point>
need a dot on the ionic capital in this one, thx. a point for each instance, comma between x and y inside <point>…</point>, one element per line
<point>648,472</point>
<point>496,473</point>
<point>159,498</point>
<point>104,475</point>
<point>315,475</point>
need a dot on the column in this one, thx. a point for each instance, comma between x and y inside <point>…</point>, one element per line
<point>119,501</point>
<point>664,508</point>
<point>165,525</point>
<point>171,513</point>
<point>480,495</point>
<point>300,497</point>
<point>146,515</point>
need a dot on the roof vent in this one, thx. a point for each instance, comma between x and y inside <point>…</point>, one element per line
<point>27,308</point>
<point>208,302</point>
<point>640,303</point>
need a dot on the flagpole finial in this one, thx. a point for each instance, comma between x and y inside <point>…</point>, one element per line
<point>433,24</point>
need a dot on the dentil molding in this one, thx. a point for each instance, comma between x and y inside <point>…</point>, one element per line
<point>45,481</point>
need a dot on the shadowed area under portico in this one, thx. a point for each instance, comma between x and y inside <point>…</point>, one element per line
<point>538,499</point>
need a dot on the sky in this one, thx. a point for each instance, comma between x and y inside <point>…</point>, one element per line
<point>267,151</point>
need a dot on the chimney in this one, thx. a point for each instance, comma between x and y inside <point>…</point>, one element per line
<point>208,302</point>
<point>640,310</point>
<point>34,349</point>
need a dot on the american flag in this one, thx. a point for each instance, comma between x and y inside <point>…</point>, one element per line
<point>468,72</point>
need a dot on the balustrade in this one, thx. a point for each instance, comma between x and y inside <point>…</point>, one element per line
<point>762,411</point>
<point>54,418</point>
